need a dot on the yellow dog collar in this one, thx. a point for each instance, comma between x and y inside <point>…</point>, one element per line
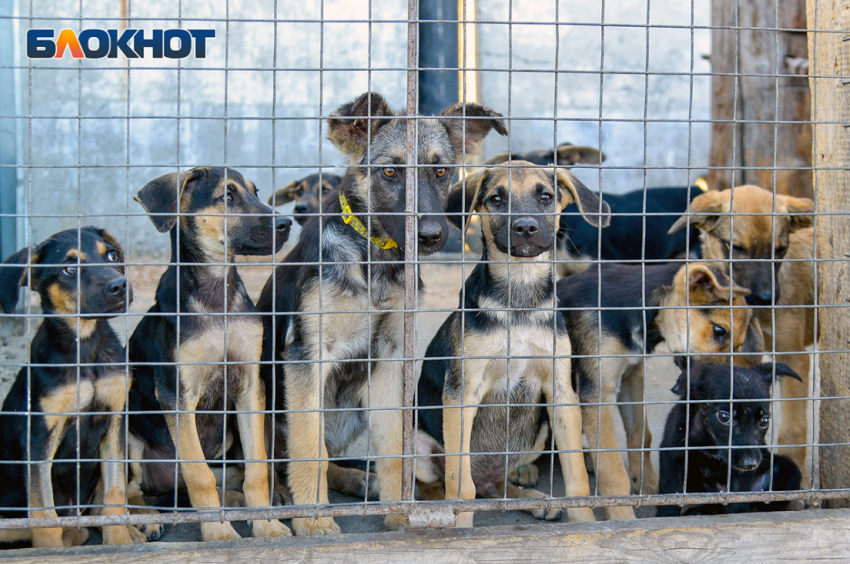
<point>350,219</point>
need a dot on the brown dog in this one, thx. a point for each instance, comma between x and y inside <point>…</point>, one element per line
<point>772,255</point>
<point>307,193</point>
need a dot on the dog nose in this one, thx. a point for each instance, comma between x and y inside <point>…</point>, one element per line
<point>116,287</point>
<point>525,227</point>
<point>763,298</point>
<point>750,461</point>
<point>430,233</point>
<point>301,208</point>
<point>282,224</point>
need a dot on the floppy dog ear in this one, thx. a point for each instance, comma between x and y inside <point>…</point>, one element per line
<point>464,198</point>
<point>709,285</point>
<point>569,154</point>
<point>704,209</point>
<point>766,370</point>
<point>284,195</point>
<point>466,135</point>
<point>801,206</point>
<point>501,158</point>
<point>571,190</point>
<point>13,275</point>
<point>680,388</point>
<point>159,198</point>
<point>353,124</point>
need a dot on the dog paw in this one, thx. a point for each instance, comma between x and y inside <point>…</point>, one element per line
<point>315,527</point>
<point>152,532</point>
<point>121,534</point>
<point>526,476</point>
<point>218,532</point>
<point>544,515</point>
<point>282,495</point>
<point>70,537</point>
<point>395,523</point>
<point>273,528</point>
<point>649,487</point>
<point>234,499</point>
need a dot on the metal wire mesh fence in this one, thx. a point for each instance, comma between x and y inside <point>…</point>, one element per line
<point>255,385</point>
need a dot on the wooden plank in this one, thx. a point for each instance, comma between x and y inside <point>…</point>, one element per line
<point>814,536</point>
<point>830,60</point>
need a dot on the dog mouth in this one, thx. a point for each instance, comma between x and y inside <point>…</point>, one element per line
<point>525,251</point>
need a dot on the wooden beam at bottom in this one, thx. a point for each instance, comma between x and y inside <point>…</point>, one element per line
<point>813,536</point>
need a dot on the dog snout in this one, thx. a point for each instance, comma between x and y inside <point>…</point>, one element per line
<point>301,208</point>
<point>525,227</point>
<point>117,287</point>
<point>430,232</point>
<point>762,298</point>
<point>282,225</point>
<point>749,460</point>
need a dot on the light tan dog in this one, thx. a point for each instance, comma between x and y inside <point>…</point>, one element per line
<point>772,255</point>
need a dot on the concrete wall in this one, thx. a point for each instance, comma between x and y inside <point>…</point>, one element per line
<point>128,131</point>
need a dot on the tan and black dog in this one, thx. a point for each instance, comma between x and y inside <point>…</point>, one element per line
<point>202,319</point>
<point>687,306</point>
<point>772,254</point>
<point>73,394</point>
<point>508,318</point>
<point>334,307</point>
<point>566,154</point>
<point>307,194</point>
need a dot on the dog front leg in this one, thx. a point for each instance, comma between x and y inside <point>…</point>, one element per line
<point>611,475</point>
<point>40,482</point>
<point>114,483</point>
<point>638,435</point>
<point>249,404</point>
<point>566,427</point>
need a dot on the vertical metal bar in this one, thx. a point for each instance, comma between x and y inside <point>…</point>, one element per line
<point>410,271</point>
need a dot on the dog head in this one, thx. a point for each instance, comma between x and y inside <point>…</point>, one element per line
<point>760,237</point>
<point>567,154</point>
<point>375,141</point>
<point>307,194</point>
<point>747,417</point>
<point>696,316</point>
<point>520,206</point>
<point>74,272</point>
<point>219,211</point>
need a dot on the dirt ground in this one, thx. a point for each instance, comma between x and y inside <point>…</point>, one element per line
<point>442,282</point>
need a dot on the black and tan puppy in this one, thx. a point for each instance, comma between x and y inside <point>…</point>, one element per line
<point>566,154</point>
<point>509,318</point>
<point>76,385</point>
<point>202,318</point>
<point>771,244</point>
<point>352,269</point>
<point>687,306</point>
<point>719,434</point>
<point>307,194</point>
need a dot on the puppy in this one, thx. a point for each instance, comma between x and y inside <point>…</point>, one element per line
<point>202,318</point>
<point>307,194</point>
<point>686,305</point>
<point>507,313</point>
<point>759,246</point>
<point>76,385</point>
<point>709,424</point>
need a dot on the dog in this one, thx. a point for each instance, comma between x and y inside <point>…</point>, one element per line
<point>219,216</point>
<point>307,194</point>
<point>505,315</point>
<point>710,424</point>
<point>774,258</point>
<point>565,154</point>
<point>687,306</point>
<point>77,386</point>
<point>361,269</point>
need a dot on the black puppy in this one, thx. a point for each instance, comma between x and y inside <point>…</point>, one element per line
<point>307,193</point>
<point>76,384</point>
<point>711,421</point>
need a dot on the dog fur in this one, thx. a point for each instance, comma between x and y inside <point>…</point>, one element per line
<point>307,193</point>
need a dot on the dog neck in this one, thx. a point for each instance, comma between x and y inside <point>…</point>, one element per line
<point>63,333</point>
<point>530,281</point>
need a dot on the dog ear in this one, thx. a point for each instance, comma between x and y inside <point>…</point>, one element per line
<point>571,190</point>
<point>569,154</point>
<point>13,275</point>
<point>159,197</point>
<point>353,125</point>
<point>464,198</point>
<point>501,158</point>
<point>708,285</point>
<point>702,213</point>
<point>465,134</point>
<point>766,370</point>
<point>798,206</point>
<point>680,388</point>
<point>284,195</point>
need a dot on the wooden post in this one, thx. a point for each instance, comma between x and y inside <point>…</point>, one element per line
<point>830,58</point>
<point>755,52</point>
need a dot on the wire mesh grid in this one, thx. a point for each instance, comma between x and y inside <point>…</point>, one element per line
<point>371,329</point>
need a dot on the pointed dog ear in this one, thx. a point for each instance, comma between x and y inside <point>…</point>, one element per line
<point>159,197</point>
<point>801,206</point>
<point>284,195</point>
<point>352,125</point>
<point>468,125</point>
<point>703,212</point>
<point>766,370</point>
<point>464,198</point>
<point>569,154</point>
<point>571,190</point>
<point>708,285</point>
<point>13,275</point>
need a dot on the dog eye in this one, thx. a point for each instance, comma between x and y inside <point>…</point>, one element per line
<point>764,421</point>
<point>545,197</point>
<point>719,332</point>
<point>69,270</point>
<point>441,172</point>
<point>495,199</point>
<point>389,172</point>
<point>299,192</point>
<point>227,197</point>
<point>723,417</point>
<point>325,189</point>
<point>112,256</point>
